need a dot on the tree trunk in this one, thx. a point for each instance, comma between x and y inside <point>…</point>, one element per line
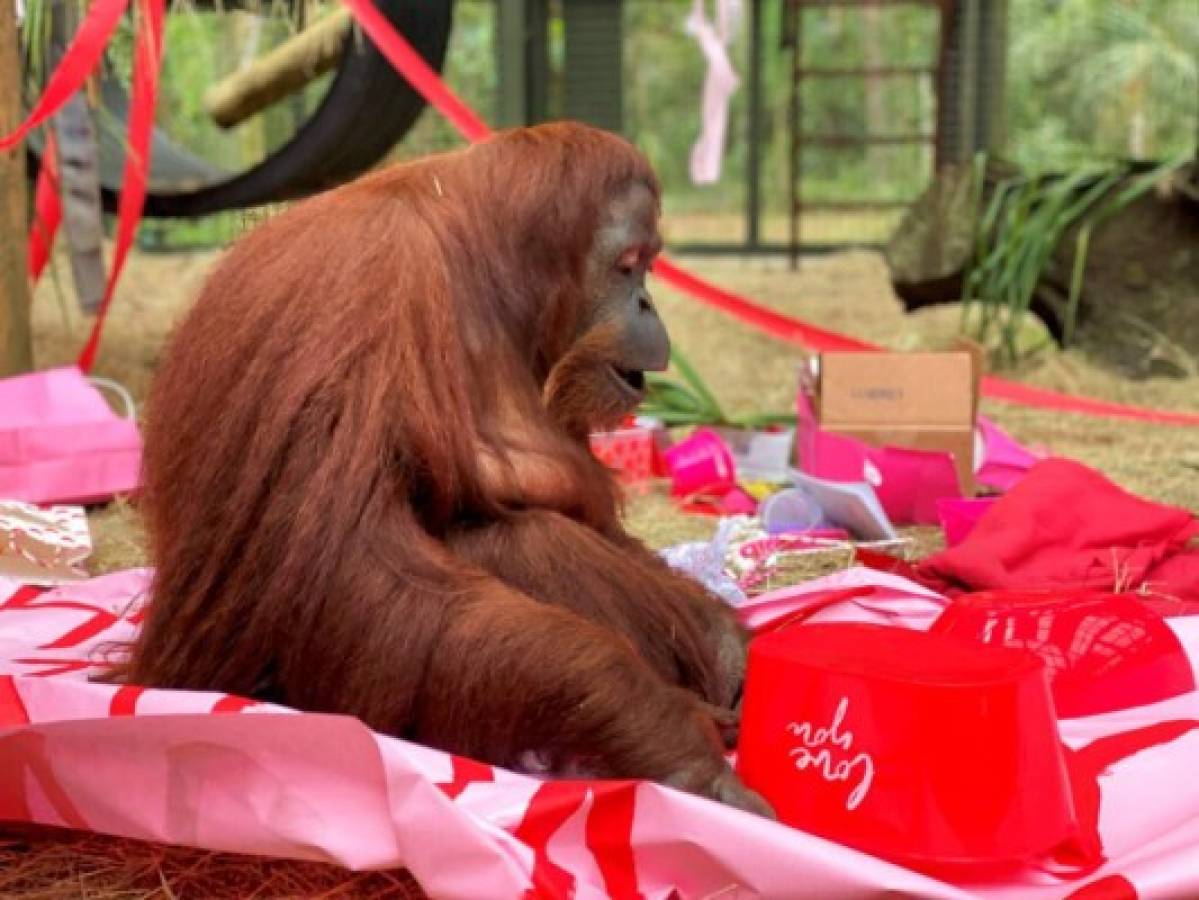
<point>16,349</point>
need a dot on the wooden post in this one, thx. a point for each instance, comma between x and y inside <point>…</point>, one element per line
<point>16,348</point>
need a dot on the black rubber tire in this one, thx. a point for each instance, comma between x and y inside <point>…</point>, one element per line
<point>365,112</point>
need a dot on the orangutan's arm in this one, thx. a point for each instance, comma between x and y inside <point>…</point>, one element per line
<point>511,675</point>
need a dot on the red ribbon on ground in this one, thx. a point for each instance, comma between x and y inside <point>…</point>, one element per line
<point>796,331</point>
<point>427,83</point>
<point>1041,398</point>
<point>767,320</point>
<point>47,212</point>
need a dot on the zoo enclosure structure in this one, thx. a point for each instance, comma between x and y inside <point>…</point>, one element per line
<point>626,65</point>
<point>366,108</point>
<point>964,72</point>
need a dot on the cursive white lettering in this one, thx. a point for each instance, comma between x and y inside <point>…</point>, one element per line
<point>814,752</point>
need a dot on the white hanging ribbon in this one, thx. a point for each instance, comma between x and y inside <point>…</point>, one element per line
<point>720,84</point>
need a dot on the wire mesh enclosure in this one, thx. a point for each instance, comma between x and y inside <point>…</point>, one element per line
<point>867,112</point>
<point>838,111</point>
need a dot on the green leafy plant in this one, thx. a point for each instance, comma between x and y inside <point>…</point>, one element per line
<point>689,401</point>
<point>1021,226</point>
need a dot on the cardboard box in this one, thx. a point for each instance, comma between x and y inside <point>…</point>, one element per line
<point>920,401</point>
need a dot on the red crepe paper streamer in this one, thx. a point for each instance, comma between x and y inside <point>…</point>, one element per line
<point>82,56</point>
<point>80,60</point>
<point>147,60</point>
<point>787,328</point>
<point>795,331</point>
<point>47,212</point>
<point>412,66</point>
<point>775,324</point>
<point>1040,398</point>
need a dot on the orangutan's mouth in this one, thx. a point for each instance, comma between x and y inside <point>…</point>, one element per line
<point>631,379</point>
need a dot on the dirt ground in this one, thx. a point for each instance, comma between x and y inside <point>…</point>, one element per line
<point>749,372</point>
<point>849,292</point>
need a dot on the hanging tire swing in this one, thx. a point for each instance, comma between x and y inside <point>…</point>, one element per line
<point>366,110</point>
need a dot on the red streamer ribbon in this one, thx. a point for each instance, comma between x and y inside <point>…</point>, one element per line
<point>787,328</point>
<point>412,66</point>
<point>1041,398</point>
<point>47,212</point>
<point>795,331</point>
<point>147,60</point>
<point>775,324</point>
<point>82,56</point>
<point>80,60</point>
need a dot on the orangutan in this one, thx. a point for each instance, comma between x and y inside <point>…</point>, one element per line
<point>369,488</point>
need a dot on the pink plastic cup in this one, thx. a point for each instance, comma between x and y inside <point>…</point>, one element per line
<point>791,510</point>
<point>702,464</point>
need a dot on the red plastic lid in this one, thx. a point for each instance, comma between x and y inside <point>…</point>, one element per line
<point>1104,652</point>
<point>912,746</point>
<point>897,654</point>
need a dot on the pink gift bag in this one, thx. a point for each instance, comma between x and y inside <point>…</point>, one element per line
<point>60,442</point>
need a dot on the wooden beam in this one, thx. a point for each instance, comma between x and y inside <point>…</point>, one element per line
<point>16,347</point>
<point>280,73</point>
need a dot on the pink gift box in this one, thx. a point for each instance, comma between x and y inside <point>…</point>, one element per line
<point>60,442</point>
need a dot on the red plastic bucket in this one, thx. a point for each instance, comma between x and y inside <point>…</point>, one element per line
<point>1104,652</point>
<point>912,746</point>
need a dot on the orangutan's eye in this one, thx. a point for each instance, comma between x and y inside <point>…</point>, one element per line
<point>628,261</point>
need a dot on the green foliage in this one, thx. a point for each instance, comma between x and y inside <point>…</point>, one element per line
<point>1019,231</point>
<point>1093,80</point>
<point>689,401</point>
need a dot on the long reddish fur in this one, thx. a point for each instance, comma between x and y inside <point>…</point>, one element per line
<point>368,488</point>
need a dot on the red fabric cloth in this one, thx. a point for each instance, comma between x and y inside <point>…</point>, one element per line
<point>1065,525</point>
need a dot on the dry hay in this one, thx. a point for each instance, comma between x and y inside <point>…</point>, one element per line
<point>50,864</point>
<point>749,372</point>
